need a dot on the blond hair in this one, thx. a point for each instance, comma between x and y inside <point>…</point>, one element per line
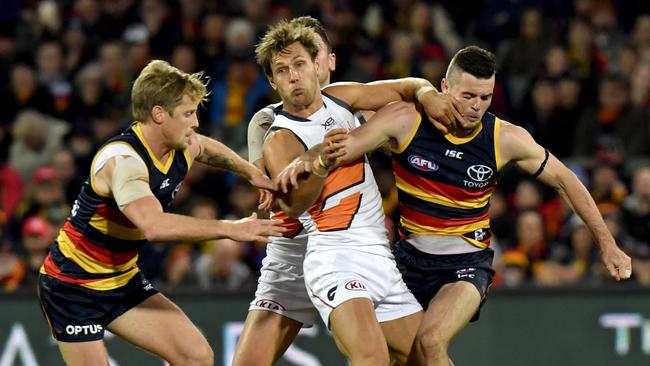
<point>164,85</point>
<point>281,36</point>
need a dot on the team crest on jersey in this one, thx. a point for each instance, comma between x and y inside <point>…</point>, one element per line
<point>422,163</point>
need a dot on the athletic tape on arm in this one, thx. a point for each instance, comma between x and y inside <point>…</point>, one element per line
<point>129,181</point>
<point>257,127</point>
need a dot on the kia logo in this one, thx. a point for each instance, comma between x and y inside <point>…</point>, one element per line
<point>480,173</point>
<point>269,304</point>
<point>355,286</point>
<point>422,163</point>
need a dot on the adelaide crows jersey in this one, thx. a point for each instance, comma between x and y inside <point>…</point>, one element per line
<point>444,182</point>
<point>98,246</point>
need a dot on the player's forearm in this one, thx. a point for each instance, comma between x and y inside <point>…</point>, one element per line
<point>583,204</point>
<point>409,89</point>
<point>168,227</point>
<point>218,155</point>
<point>298,200</point>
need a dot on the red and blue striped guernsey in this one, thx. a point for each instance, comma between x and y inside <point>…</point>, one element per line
<point>445,182</point>
<point>98,246</point>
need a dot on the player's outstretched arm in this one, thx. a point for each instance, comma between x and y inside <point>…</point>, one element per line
<point>519,146</point>
<point>392,125</point>
<point>218,155</point>
<point>214,153</point>
<point>127,180</point>
<point>441,109</point>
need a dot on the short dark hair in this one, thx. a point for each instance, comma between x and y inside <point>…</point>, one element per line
<point>473,60</point>
<point>313,23</point>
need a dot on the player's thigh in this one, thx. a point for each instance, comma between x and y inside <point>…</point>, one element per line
<point>400,335</point>
<point>90,353</point>
<point>265,338</point>
<point>159,326</point>
<point>355,328</point>
<point>450,310</point>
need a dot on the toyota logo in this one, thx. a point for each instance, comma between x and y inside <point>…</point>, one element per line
<point>480,173</point>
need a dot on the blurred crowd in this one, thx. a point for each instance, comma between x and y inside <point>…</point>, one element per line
<point>576,74</point>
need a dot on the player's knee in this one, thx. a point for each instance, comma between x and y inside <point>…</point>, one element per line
<point>200,354</point>
<point>370,356</point>
<point>432,344</point>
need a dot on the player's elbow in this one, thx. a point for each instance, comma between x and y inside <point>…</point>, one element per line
<point>152,230</point>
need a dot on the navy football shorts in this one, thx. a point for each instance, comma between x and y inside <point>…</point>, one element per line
<point>426,273</point>
<point>79,314</point>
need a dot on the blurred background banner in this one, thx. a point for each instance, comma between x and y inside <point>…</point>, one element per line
<point>543,327</point>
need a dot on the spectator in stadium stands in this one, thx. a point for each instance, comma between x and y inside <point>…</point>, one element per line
<point>89,98</point>
<point>523,56</point>
<point>572,263</point>
<point>51,74</point>
<point>570,104</point>
<point>184,57</point>
<point>44,197</point>
<point>502,221</point>
<point>65,166</point>
<point>24,92</point>
<point>613,117</point>
<point>11,191</point>
<point>36,138</point>
<point>607,189</point>
<point>513,269</point>
<point>179,260</point>
<point>640,86</point>
<point>117,78</point>
<point>37,235</point>
<point>531,239</point>
<point>641,35</point>
<point>11,268</point>
<point>220,267</point>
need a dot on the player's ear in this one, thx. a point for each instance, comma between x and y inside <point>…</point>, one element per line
<point>444,85</point>
<point>270,79</point>
<point>158,114</point>
<point>332,59</point>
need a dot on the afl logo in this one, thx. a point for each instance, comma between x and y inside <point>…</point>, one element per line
<point>480,173</point>
<point>422,163</point>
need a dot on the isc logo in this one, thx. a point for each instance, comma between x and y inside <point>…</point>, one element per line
<point>422,163</point>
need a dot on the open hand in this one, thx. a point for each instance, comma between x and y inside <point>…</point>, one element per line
<point>252,229</point>
<point>443,110</point>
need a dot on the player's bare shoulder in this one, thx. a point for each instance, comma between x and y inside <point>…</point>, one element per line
<point>515,142</point>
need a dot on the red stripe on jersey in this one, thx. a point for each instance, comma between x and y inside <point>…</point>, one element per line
<point>440,189</point>
<point>52,270</point>
<point>94,251</point>
<point>423,219</point>
<point>115,215</point>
